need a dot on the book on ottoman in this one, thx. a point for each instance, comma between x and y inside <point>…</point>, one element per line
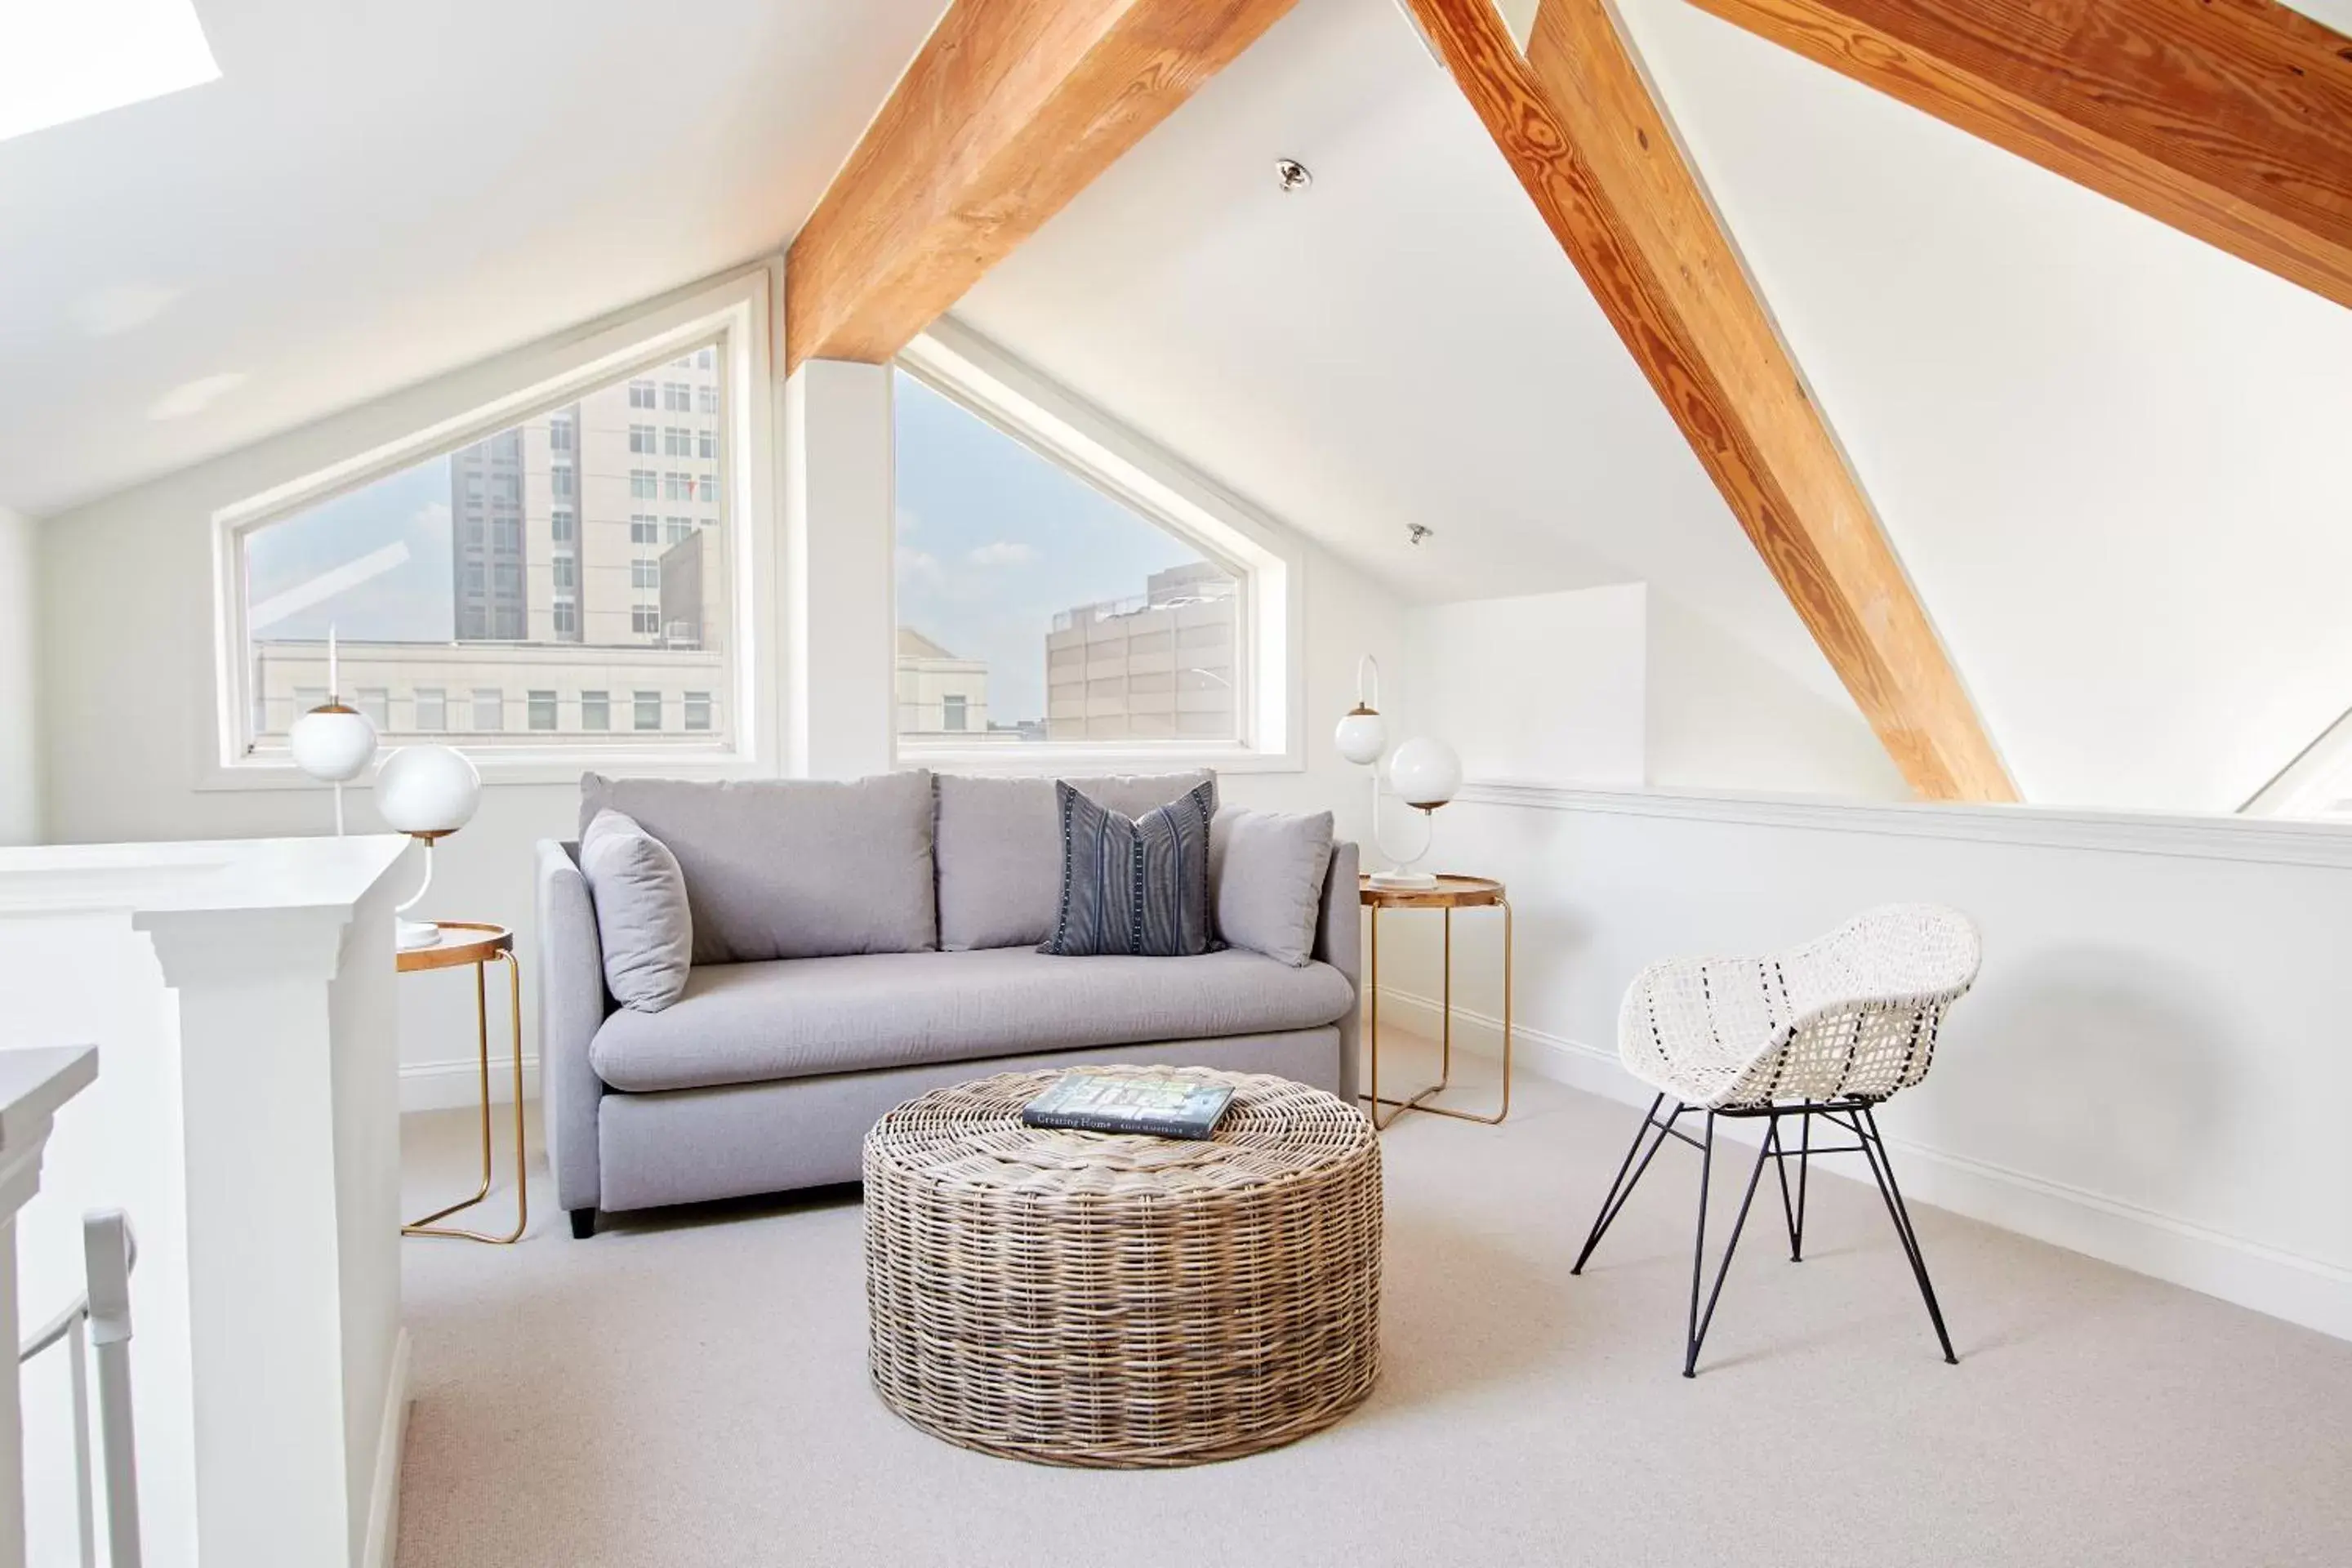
<point>1153,1103</point>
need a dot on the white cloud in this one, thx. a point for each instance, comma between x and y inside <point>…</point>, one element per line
<point>1002,553</point>
<point>909,522</point>
<point>917,563</point>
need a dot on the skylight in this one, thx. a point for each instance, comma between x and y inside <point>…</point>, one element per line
<point>69,60</point>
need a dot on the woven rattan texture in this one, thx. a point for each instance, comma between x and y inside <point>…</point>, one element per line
<point>1855,1013</point>
<point>1077,1299</point>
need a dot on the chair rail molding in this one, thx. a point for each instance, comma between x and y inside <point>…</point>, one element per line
<point>2265,840</point>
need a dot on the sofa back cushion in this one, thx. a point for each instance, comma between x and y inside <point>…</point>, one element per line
<point>1000,850</point>
<point>790,868</point>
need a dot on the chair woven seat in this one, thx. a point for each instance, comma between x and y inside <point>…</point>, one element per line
<point>1852,1015</point>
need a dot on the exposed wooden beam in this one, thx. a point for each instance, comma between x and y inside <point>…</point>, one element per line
<point>1577,123</point>
<point>1008,111</point>
<point>2230,119</point>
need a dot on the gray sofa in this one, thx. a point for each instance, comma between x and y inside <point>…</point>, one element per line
<point>767,1073</point>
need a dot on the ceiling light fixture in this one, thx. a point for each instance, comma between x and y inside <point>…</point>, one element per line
<point>1291,174</point>
<point>67,61</point>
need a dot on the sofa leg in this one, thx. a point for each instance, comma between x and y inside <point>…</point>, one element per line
<point>584,1223</point>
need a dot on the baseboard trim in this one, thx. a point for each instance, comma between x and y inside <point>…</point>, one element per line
<point>2305,1290</point>
<point>454,1085</point>
<point>383,1547</point>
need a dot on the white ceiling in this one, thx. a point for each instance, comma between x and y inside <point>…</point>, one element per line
<point>1403,343</point>
<point>375,192</point>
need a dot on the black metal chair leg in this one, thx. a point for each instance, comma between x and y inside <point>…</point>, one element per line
<point>1699,1324</point>
<point>1882,1169</point>
<point>1698,1250</point>
<point>1804,1164</point>
<point>1780,1172</point>
<point>1622,1187</point>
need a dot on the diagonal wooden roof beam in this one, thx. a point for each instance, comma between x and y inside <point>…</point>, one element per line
<point>2230,119</point>
<point>1577,125</point>
<point>1009,111</point>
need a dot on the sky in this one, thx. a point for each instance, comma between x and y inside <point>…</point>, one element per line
<point>410,602</point>
<point>994,540</point>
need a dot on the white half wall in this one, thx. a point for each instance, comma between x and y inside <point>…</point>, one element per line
<point>20,628</point>
<point>2151,1068</point>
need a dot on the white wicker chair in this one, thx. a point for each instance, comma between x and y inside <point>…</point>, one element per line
<point>1828,1029</point>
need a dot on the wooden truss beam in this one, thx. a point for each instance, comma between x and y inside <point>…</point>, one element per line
<point>1576,123</point>
<point>1009,111</point>
<point>2230,119</point>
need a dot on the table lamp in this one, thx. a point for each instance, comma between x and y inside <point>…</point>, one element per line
<point>427,792</point>
<point>332,742</point>
<point>1424,773</point>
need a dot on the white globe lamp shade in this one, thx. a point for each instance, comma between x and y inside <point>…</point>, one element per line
<point>1361,736</point>
<point>333,744</point>
<point>1424,773</point>
<point>426,791</point>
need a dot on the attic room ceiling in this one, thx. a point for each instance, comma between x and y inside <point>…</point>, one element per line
<point>1402,343</point>
<point>2107,454</point>
<point>374,194</point>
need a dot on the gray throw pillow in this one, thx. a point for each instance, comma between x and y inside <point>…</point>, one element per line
<point>1134,886</point>
<point>999,849</point>
<point>1265,880</point>
<point>642,918</point>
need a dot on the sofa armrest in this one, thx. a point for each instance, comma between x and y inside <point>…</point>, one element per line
<point>1340,943</point>
<point>572,1007</point>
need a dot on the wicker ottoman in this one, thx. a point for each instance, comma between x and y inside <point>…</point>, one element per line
<point>1077,1299</point>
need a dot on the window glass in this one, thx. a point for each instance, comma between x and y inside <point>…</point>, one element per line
<point>447,575</point>
<point>649,707</point>
<point>697,710</point>
<point>1032,607</point>
<point>595,709</point>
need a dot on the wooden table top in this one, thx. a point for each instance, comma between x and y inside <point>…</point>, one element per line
<point>462,941</point>
<point>1451,893</point>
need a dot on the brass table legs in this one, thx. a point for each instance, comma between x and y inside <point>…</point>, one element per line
<point>428,1225</point>
<point>1420,1102</point>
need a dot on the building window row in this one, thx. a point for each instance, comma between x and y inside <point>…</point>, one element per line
<point>485,707</point>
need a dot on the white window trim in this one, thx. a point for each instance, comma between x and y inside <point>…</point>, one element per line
<point>453,413</point>
<point>953,360</point>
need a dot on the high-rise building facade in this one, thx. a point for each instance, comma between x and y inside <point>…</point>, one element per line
<point>1162,666</point>
<point>560,525</point>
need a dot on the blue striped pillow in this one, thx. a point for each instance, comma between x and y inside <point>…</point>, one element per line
<point>1138,887</point>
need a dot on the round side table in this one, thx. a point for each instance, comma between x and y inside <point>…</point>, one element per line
<point>1451,893</point>
<point>474,942</point>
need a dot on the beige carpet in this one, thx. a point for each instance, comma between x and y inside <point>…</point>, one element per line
<point>691,1391</point>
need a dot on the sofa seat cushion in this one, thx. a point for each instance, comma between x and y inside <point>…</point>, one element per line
<point>749,1022</point>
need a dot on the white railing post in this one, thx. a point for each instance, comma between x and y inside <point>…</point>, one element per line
<point>33,1084</point>
<point>106,1254</point>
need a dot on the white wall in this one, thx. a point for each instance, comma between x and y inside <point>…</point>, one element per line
<point>20,780</point>
<point>1543,686</point>
<point>125,586</point>
<point>2150,1069</point>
